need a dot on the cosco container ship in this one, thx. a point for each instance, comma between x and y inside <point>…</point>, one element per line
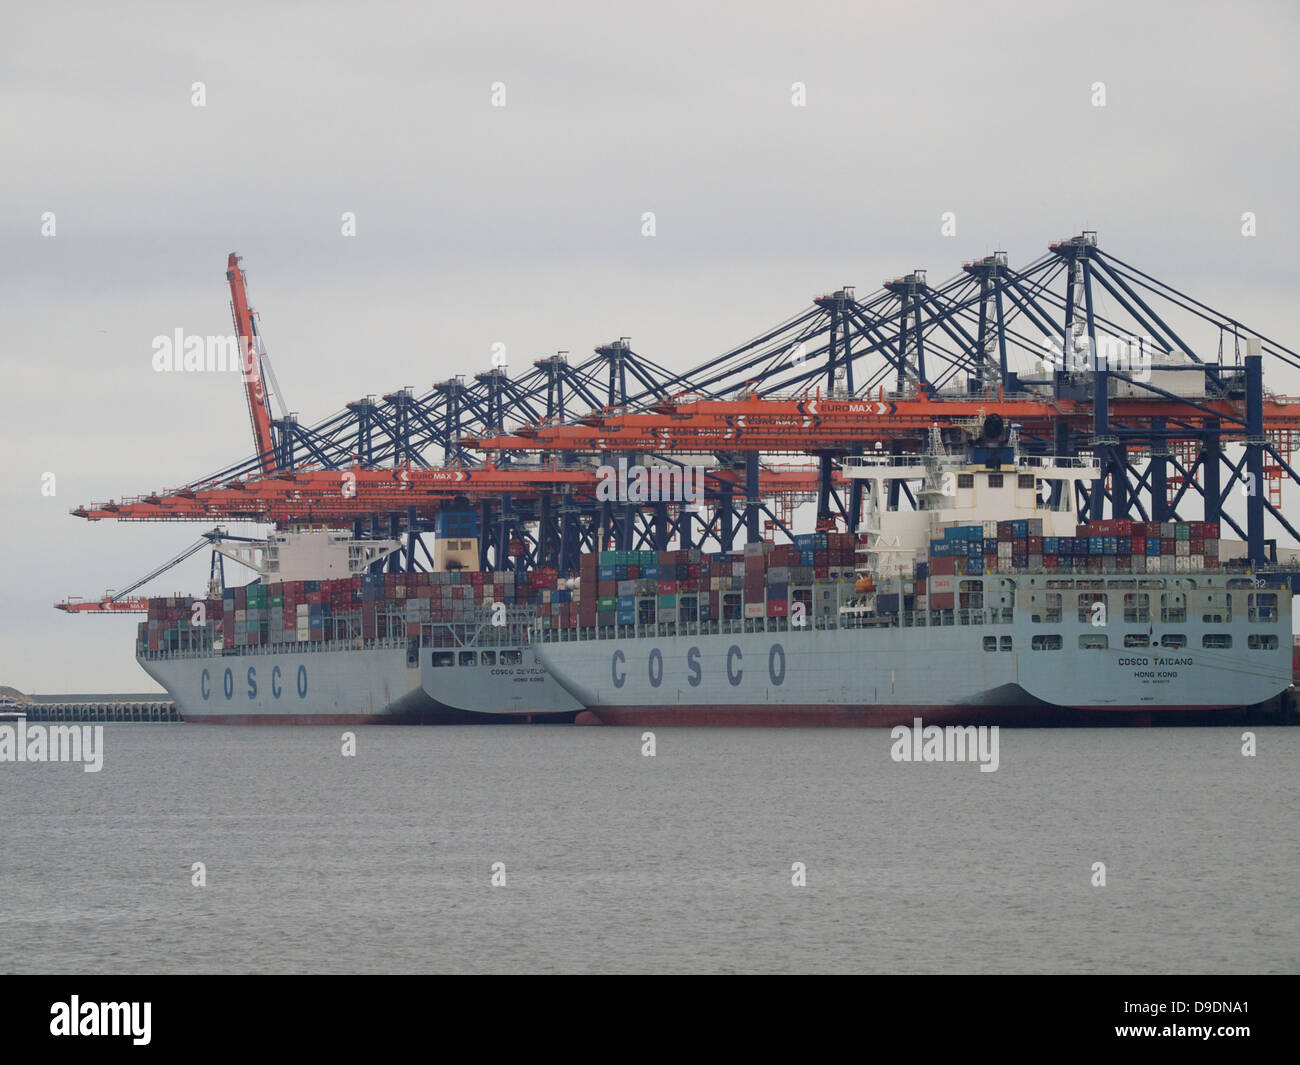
<point>987,603</point>
<point>343,646</point>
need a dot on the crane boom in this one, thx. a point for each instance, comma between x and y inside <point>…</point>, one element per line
<point>124,602</point>
<point>246,330</point>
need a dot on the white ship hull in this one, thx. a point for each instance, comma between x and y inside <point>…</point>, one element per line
<point>319,687</point>
<point>887,675</point>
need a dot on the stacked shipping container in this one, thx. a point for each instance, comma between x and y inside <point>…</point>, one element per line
<point>1111,546</point>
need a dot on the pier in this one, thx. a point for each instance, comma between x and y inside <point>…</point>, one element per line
<point>147,707</point>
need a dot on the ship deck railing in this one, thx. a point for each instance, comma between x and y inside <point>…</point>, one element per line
<point>744,626</point>
<point>356,644</point>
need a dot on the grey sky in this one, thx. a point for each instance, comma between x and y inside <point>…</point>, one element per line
<point>521,224</point>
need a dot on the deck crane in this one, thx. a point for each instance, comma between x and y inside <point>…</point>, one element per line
<point>253,364</point>
<point>124,602</point>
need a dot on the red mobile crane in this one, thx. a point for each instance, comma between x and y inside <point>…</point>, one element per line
<point>251,362</point>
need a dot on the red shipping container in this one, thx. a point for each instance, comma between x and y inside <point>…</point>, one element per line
<point>777,608</point>
<point>942,601</point>
<point>667,587</point>
<point>943,565</point>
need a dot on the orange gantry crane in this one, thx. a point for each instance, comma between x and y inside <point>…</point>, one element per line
<point>341,496</point>
<point>251,363</point>
<point>134,604</point>
<point>944,349</point>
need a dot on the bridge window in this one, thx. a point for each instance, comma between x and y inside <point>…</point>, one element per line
<point>1173,606</point>
<point>1262,642</point>
<point>1137,639</point>
<point>1262,606</point>
<point>990,643</point>
<point>995,480</point>
<point>965,480</point>
<point>1027,480</point>
<point>1137,608</point>
<point>467,658</point>
<point>1173,639</point>
<point>1087,600</point>
<point>1004,643</point>
<point>444,658</point>
<point>1094,642</point>
<point>1046,643</point>
<point>1216,640</point>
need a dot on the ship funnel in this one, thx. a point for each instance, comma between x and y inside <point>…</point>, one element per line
<point>993,429</point>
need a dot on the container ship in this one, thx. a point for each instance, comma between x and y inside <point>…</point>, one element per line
<point>987,604</point>
<point>346,650</point>
<point>947,612</point>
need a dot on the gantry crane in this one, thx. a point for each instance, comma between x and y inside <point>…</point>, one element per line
<point>845,376</point>
<point>124,602</point>
<point>251,364</point>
